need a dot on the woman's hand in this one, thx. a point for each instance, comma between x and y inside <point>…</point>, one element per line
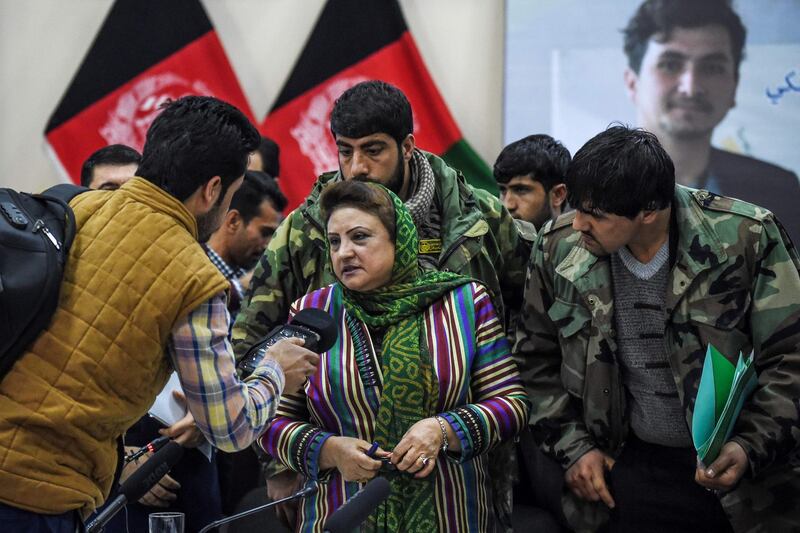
<point>417,451</point>
<point>349,456</point>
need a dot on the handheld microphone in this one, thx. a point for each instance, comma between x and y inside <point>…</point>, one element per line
<point>311,488</point>
<point>316,327</point>
<point>153,446</point>
<point>139,483</point>
<point>355,510</point>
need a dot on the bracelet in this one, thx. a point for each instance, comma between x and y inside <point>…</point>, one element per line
<point>445,443</point>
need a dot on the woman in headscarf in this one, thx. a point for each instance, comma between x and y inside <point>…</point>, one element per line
<point>421,367</point>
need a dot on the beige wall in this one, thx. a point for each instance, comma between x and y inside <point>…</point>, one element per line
<point>42,42</point>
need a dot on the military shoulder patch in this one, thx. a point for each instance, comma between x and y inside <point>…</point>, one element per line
<point>430,246</point>
<point>724,204</point>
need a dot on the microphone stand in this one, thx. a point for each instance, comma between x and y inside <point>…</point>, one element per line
<point>311,488</point>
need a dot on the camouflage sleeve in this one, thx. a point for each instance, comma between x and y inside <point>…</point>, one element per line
<point>769,424</point>
<point>555,415</point>
<point>514,239</point>
<point>278,280</point>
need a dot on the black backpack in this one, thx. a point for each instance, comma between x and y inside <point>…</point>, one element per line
<point>36,232</point>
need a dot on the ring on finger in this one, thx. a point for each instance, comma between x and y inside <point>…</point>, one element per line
<point>425,459</point>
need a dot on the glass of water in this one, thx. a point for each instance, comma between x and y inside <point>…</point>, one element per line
<point>166,522</point>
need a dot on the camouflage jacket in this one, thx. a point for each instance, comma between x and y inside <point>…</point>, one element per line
<point>734,283</point>
<point>479,239</point>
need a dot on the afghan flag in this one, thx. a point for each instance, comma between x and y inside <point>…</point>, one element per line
<point>146,52</point>
<point>355,41</point>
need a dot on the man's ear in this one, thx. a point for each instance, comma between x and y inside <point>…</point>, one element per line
<point>407,146</point>
<point>558,195</point>
<point>631,83</point>
<point>649,216</point>
<point>210,191</point>
<point>233,221</point>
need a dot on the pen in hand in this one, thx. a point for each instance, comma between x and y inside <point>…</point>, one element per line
<point>372,449</point>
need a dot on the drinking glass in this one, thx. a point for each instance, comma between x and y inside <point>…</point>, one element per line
<point>166,522</point>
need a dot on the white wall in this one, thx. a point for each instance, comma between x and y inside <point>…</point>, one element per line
<point>42,43</point>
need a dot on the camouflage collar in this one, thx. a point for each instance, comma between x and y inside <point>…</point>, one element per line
<point>578,261</point>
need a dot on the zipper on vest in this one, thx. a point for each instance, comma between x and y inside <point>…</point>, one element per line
<point>39,226</point>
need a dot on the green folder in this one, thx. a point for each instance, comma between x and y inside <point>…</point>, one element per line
<point>722,392</point>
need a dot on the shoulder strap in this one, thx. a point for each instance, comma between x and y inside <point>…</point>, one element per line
<point>62,194</point>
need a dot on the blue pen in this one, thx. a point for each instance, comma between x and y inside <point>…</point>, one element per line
<point>372,449</point>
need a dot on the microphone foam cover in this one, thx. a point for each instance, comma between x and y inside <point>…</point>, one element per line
<point>321,323</point>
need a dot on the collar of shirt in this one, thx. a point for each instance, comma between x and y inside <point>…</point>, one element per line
<point>223,267</point>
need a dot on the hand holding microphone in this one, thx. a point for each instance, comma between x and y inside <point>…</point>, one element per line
<point>139,483</point>
<point>296,362</point>
<point>295,346</point>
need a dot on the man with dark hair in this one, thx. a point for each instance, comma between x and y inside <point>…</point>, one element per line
<point>530,174</point>
<point>683,69</point>
<point>623,297</point>
<point>266,158</point>
<point>139,297</point>
<point>109,167</point>
<point>461,229</point>
<point>249,225</point>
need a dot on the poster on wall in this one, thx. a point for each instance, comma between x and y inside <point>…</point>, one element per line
<point>690,72</point>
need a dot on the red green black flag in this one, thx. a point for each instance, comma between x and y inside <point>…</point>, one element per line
<point>354,41</point>
<point>147,51</point>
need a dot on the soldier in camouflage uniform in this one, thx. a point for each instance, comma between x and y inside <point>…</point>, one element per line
<point>462,230</point>
<point>731,280</point>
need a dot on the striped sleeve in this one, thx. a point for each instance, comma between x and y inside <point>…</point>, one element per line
<point>231,413</point>
<point>294,441</point>
<point>500,404</point>
<point>290,438</point>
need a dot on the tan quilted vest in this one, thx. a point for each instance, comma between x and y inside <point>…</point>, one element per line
<point>134,269</point>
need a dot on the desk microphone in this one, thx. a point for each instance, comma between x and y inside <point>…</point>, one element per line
<point>355,510</point>
<point>311,488</point>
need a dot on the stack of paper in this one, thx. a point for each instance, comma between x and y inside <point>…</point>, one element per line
<point>722,392</point>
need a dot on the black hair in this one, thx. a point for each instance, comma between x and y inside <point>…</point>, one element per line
<point>270,153</point>
<point>658,18</point>
<point>372,107</point>
<point>623,171</point>
<point>362,195</point>
<point>193,139</point>
<point>257,187</point>
<point>114,154</point>
<point>540,156</point>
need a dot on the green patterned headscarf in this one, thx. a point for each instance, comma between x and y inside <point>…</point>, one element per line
<point>410,391</point>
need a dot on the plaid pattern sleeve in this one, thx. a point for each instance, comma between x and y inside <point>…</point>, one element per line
<point>231,413</point>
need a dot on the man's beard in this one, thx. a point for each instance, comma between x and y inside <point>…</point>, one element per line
<point>210,222</point>
<point>545,214</point>
<point>395,183</point>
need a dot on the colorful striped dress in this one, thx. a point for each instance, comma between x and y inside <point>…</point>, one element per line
<point>480,395</point>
